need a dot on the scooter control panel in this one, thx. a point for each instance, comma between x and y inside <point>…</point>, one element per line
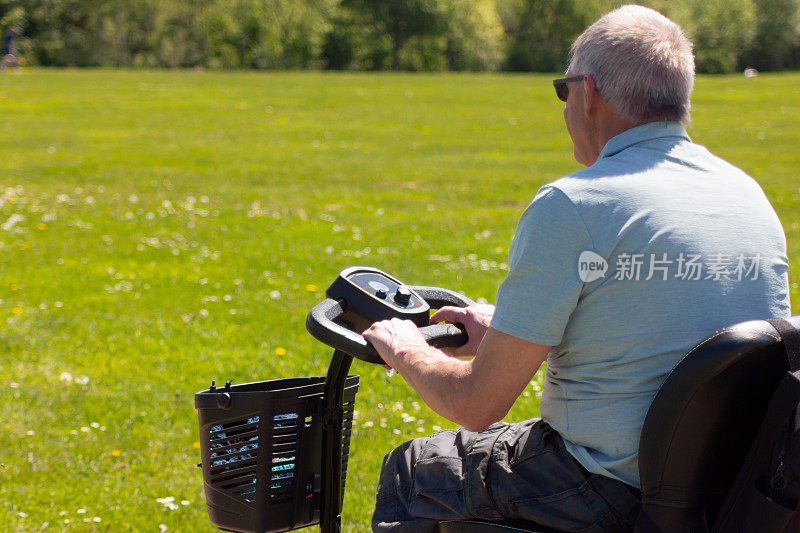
<point>362,295</point>
<point>373,295</point>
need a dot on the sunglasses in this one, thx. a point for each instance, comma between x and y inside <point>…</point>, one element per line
<point>562,89</point>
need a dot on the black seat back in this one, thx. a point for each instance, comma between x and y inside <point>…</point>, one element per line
<point>702,422</point>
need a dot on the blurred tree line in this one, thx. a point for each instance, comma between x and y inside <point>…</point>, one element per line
<point>515,35</point>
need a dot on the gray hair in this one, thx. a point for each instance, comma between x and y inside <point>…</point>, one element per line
<point>641,61</point>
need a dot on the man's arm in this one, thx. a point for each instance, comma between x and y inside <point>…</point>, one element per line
<point>474,393</point>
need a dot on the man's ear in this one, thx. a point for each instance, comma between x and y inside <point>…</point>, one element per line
<point>591,96</point>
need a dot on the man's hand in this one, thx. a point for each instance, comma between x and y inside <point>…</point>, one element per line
<point>457,389</point>
<point>394,338</point>
<point>475,319</point>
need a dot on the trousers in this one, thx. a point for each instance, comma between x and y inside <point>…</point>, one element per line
<point>508,471</point>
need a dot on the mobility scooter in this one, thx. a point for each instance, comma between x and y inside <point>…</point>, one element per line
<point>275,453</point>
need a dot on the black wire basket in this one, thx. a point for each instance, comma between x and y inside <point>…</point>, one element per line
<point>262,452</point>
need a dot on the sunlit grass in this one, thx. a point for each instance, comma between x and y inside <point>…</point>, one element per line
<point>163,229</point>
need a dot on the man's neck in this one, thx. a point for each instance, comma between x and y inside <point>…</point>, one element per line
<point>610,126</point>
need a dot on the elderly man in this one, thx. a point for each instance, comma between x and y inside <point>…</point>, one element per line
<point>615,272</point>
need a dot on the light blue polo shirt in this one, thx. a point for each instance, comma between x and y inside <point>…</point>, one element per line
<point>691,245</point>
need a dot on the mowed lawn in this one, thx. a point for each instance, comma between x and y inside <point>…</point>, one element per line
<point>163,229</point>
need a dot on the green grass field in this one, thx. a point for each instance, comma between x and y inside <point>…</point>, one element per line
<point>162,229</point>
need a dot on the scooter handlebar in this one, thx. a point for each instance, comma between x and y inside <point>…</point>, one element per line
<point>436,297</point>
<point>322,323</point>
<point>445,335</point>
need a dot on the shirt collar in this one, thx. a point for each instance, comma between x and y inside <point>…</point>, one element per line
<point>643,133</point>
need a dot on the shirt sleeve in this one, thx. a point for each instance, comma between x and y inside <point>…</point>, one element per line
<point>543,286</point>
